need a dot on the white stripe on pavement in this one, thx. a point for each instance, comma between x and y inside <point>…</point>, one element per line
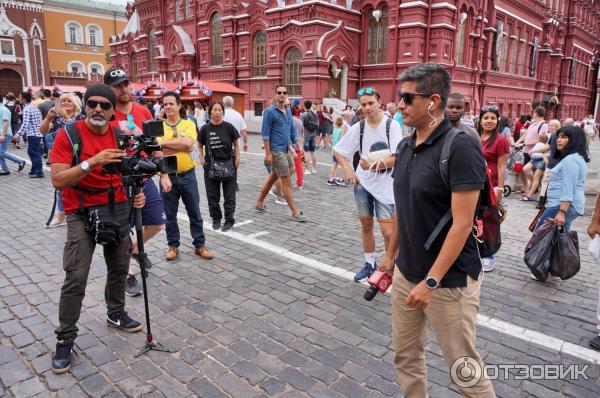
<point>256,235</point>
<point>497,325</point>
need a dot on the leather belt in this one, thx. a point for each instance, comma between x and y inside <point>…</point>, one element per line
<point>185,172</point>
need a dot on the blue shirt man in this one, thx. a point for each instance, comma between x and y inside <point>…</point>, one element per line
<point>278,133</point>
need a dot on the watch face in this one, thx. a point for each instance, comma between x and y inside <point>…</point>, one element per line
<point>431,282</point>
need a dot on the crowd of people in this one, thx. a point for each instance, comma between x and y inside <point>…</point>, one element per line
<point>391,154</point>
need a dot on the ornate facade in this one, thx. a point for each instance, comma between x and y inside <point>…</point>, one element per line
<point>23,52</point>
<point>507,52</point>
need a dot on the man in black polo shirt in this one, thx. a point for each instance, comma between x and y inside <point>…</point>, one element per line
<point>439,286</point>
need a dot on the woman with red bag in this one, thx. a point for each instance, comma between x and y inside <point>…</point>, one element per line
<point>495,151</point>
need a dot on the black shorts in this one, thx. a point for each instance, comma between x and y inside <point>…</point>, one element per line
<point>153,212</point>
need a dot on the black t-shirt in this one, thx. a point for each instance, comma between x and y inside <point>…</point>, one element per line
<point>422,199</point>
<point>221,138</point>
<point>552,161</point>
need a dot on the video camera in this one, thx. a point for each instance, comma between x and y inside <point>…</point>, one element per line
<point>137,165</point>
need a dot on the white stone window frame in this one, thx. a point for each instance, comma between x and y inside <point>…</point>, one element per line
<point>78,63</point>
<point>96,65</point>
<point>78,32</point>
<point>8,57</point>
<point>98,37</point>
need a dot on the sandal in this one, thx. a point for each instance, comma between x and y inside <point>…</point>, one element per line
<point>526,198</point>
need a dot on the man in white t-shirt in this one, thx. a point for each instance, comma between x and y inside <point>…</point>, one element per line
<point>234,117</point>
<point>373,183</point>
<point>590,128</point>
<point>156,108</point>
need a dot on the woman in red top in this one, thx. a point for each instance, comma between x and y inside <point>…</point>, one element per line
<point>495,151</point>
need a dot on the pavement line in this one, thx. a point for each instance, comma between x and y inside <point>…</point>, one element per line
<point>29,163</point>
<point>531,336</point>
<point>256,235</point>
<point>263,155</point>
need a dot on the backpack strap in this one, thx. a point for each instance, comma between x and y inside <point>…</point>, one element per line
<point>388,123</point>
<point>362,132</point>
<point>445,173</point>
<point>74,136</point>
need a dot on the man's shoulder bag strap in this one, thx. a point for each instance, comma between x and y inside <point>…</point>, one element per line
<point>445,173</point>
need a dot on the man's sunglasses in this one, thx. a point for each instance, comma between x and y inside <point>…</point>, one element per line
<point>130,120</point>
<point>281,92</point>
<point>368,91</point>
<point>408,98</point>
<point>94,104</point>
<point>489,108</point>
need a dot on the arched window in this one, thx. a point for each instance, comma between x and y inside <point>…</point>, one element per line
<point>463,18</point>
<point>75,67</point>
<point>96,68</point>
<point>377,36</point>
<point>216,30</point>
<point>73,33</point>
<point>133,66</point>
<point>293,71</point>
<point>152,50</point>
<point>259,54</point>
<point>177,15</point>
<point>94,35</point>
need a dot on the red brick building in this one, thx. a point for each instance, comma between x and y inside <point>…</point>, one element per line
<point>508,52</point>
<point>23,50</point>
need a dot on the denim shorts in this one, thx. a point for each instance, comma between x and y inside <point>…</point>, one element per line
<point>538,164</point>
<point>309,143</point>
<point>368,206</point>
<point>153,212</point>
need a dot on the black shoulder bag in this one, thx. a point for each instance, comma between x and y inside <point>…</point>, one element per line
<point>220,170</point>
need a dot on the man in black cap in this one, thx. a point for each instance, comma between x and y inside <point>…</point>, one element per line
<point>129,117</point>
<point>78,157</point>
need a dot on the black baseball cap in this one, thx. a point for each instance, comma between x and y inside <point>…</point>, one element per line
<point>115,76</point>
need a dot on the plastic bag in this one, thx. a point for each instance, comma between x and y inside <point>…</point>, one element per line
<point>539,250</point>
<point>594,247</point>
<point>565,261</point>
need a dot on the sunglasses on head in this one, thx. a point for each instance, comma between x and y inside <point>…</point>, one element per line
<point>130,120</point>
<point>488,108</point>
<point>408,98</point>
<point>281,92</point>
<point>94,104</point>
<point>367,90</point>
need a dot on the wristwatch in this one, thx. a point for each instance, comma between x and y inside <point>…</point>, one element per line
<point>431,282</point>
<point>85,166</point>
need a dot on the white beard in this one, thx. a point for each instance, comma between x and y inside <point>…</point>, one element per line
<point>98,122</point>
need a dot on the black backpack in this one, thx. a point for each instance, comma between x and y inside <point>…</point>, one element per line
<point>310,122</point>
<point>487,215</point>
<point>14,117</point>
<point>356,157</point>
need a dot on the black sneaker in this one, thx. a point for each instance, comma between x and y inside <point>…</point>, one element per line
<point>216,224</point>
<point>22,166</point>
<point>595,343</point>
<point>227,226</point>
<point>122,321</point>
<point>4,173</point>
<point>61,359</point>
<point>136,257</point>
<point>133,288</point>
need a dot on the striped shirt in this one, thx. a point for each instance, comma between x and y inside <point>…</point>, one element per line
<point>32,118</point>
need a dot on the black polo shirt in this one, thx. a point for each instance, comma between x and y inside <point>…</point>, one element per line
<point>422,199</point>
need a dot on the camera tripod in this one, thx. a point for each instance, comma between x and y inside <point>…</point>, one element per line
<point>134,186</point>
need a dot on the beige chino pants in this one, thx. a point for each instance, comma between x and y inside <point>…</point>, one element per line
<point>452,316</point>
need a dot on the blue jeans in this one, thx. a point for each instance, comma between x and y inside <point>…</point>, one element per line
<point>186,188</point>
<point>551,212</point>
<point>4,154</point>
<point>33,150</point>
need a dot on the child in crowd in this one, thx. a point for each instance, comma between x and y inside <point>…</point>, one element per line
<point>337,135</point>
<point>536,165</point>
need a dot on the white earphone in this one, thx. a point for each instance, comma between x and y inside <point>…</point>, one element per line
<point>430,105</point>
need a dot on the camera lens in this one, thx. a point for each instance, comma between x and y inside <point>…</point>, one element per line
<point>371,292</point>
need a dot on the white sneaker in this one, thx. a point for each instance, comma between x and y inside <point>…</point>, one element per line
<point>272,193</point>
<point>56,223</point>
<point>314,171</point>
<point>307,172</point>
<point>488,264</point>
<point>281,201</point>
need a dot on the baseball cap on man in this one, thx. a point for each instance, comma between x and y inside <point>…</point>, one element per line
<point>115,76</point>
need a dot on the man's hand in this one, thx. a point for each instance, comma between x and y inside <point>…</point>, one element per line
<point>2,138</point>
<point>499,193</point>
<point>387,265</point>
<point>139,200</point>
<point>51,113</point>
<point>559,220</point>
<point>165,183</point>
<point>365,164</point>
<point>245,147</point>
<point>236,162</point>
<point>294,154</point>
<point>594,228</point>
<point>269,159</point>
<point>419,297</point>
<point>105,157</point>
<point>352,178</point>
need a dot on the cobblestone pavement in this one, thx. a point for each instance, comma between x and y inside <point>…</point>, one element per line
<point>259,320</point>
